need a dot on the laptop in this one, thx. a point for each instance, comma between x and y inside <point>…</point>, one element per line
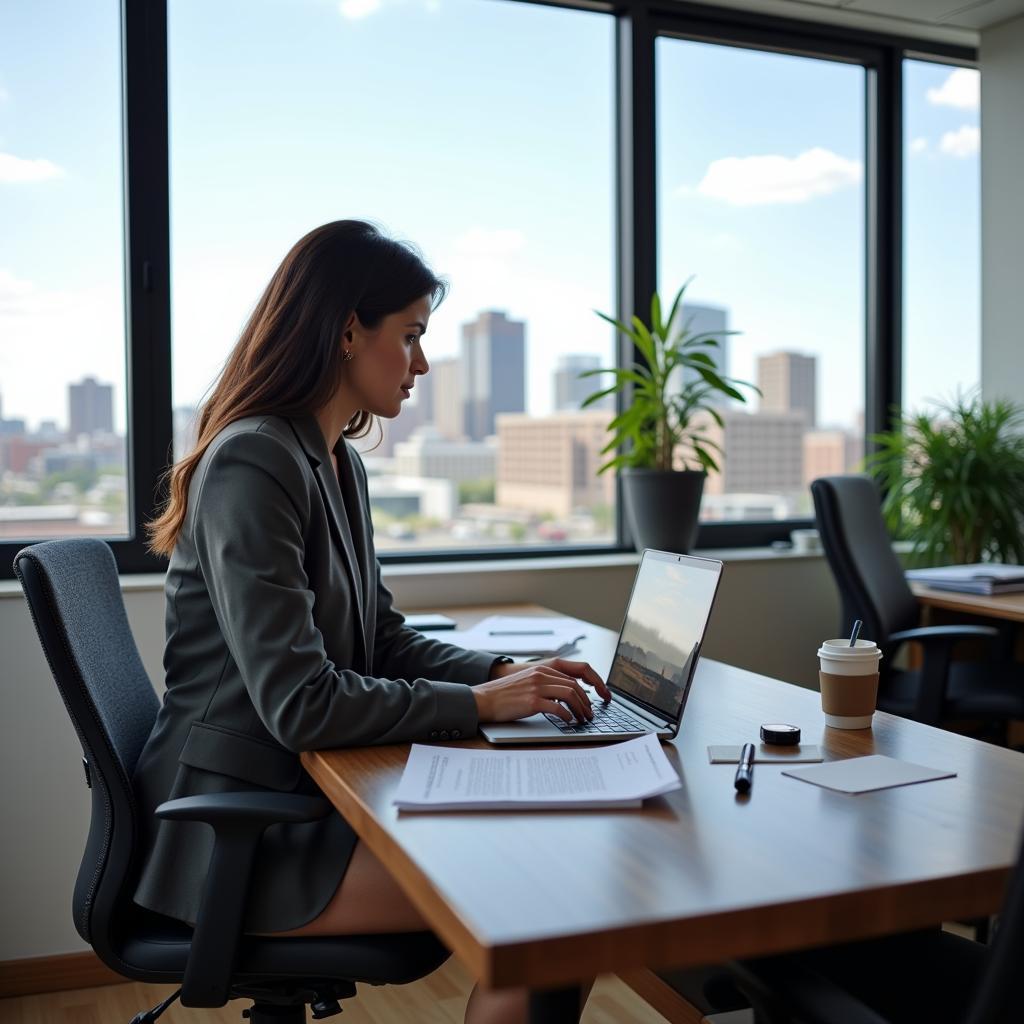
<point>655,658</point>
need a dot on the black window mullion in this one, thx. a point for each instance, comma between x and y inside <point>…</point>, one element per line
<point>884,248</point>
<point>147,269</point>
<point>636,225</point>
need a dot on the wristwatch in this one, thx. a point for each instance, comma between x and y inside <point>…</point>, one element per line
<point>502,659</point>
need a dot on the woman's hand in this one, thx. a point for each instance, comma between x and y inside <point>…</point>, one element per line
<point>518,691</point>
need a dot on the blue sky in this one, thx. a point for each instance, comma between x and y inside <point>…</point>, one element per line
<point>482,131</point>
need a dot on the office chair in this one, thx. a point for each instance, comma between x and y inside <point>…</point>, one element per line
<point>931,976</point>
<point>873,588</point>
<point>75,600</point>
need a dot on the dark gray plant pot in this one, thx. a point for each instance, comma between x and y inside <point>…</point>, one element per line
<point>662,507</point>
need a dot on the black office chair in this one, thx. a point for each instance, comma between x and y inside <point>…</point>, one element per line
<point>75,600</point>
<point>873,588</point>
<point>931,976</point>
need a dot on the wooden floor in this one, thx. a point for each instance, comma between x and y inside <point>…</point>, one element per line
<point>438,999</point>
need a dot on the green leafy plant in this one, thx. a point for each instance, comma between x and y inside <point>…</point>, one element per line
<point>659,421</point>
<point>954,482</point>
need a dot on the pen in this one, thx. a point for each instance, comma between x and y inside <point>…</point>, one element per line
<point>745,771</point>
<point>521,632</point>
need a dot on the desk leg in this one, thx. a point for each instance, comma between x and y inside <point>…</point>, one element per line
<point>556,1006</point>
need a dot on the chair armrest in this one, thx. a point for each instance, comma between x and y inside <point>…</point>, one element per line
<point>229,808</point>
<point>946,634</point>
<point>937,643</point>
<point>238,821</point>
<point>781,988</point>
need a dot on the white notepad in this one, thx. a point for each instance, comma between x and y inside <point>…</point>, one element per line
<point>767,754</point>
<point>864,774</point>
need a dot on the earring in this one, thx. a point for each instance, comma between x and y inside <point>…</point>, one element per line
<point>348,357</point>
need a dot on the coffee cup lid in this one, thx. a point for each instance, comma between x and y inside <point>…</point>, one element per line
<point>840,649</point>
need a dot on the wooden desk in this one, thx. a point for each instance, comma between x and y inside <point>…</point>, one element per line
<point>701,875</point>
<point>1000,606</point>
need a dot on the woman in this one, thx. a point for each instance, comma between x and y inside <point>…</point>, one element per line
<point>281,636</point>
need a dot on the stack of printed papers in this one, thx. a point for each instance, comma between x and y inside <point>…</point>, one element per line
<point>982,578</point>
<point>518,634</point>
<point>458,778</point>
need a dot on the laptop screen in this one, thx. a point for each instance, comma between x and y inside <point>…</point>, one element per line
<point>665,621</point>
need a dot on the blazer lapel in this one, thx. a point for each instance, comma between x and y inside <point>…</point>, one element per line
<point>312,440</point>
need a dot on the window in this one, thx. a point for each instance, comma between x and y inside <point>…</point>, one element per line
<point>63,420</point>
<point>941,233</point>
<point>422,118</point>
<point>760,171</point>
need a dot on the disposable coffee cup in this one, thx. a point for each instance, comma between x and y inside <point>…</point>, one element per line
<point>849,682</point>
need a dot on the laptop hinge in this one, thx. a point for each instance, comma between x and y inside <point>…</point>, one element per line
<point>646,715</point>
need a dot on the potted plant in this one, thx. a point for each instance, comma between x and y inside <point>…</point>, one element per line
<point>660,438</point>
<point>954,482</point>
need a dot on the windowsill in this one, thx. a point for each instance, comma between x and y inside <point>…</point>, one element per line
<point>151,582</point>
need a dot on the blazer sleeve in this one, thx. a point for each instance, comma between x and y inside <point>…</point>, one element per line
<point>249,512</point>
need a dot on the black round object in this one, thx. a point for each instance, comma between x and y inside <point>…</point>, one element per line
<point>780,735</point>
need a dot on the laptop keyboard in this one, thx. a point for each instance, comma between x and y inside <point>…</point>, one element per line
<point>608,718</point>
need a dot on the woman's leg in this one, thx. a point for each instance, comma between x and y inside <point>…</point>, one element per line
<point>368,901</point>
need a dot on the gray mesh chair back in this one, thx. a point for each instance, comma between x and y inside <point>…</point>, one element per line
<point>74,596</point>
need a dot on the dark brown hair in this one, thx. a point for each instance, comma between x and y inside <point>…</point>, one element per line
<point>288,359</point>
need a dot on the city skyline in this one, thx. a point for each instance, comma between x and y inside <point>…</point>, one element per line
<point>544,254</point>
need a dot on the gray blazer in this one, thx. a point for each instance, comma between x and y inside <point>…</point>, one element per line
<point>281,638</point>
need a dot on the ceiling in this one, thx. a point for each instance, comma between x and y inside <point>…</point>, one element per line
<point>976,14</point>
<point>957,22</point>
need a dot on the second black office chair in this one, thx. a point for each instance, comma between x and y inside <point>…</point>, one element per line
<point>873,588</point>
<point>75,600</point>
<point>932,976</point>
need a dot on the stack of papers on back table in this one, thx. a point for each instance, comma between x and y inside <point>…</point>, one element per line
<point>463,779</point>
<point>518,634</point>
<point>981,578</point>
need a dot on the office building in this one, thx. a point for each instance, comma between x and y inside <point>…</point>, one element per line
<point>90,408</point>
<point>440,390</point>
<point>570,389</point>
<point>761,452</point>
<point>493,371</point>
<point>788,383</point>
<point>427,454</point>
<point>549,464</point>
<point>831,452</point>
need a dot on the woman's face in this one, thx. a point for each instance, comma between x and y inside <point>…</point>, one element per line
<point>387,359</point>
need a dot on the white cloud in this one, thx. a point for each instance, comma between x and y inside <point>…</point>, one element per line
<point>356,9</point>
<point>962,89</point>
<point>964,142</point>
<point>15,294</point>
<point>758,180</point>
<point>919,145</point>
<point>490,242</point>
<point>16,170</point>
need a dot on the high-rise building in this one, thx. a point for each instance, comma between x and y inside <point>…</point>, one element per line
<point>493,371</point>
<point>90,408</point>
<point>441,394</point>
<point>571,389</point>
<point>549,464</point>
<point>700,319</point>
<point>788,383</point>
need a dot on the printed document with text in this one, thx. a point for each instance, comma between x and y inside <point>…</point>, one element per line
<point>459,778</point>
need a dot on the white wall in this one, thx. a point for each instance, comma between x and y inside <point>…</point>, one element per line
<point>1001,51</point>
<point>771,615</point>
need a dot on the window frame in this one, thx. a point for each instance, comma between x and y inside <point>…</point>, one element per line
<point>638,24</point>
